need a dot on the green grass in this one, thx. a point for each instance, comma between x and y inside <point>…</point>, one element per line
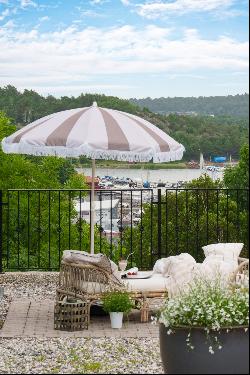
<point>123,165</point>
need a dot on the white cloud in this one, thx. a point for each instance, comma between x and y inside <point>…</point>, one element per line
<point>28,3</point>
<point>4,14</point>
<point>126,2</point>
<point>43,19</point>
<point>98,2</point>
<point>4,1</point>
<point>73,55</point>
<point>161,8</point>
<point>7,26</point>
<point>92,14</point>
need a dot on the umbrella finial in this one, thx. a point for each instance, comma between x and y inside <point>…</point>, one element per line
<point>94,104</point>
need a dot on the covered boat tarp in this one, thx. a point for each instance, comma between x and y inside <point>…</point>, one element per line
<point>220,159</point>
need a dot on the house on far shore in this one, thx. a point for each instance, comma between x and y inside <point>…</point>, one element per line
<point>88,180</point>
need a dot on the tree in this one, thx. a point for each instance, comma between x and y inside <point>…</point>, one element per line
<point>189,220</point>
<point>238,176</point>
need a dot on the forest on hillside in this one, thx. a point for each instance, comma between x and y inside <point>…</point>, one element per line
<point>231,105</point>
<point>219,135</point>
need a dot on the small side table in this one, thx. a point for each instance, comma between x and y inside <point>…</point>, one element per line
<point>71,315</point>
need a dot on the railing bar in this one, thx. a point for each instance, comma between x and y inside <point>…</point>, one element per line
<point>28,229</point>
<point>176,223</point>
<point>69,219</point>
<point>159,223</point>
<point>131,224</point>
<point>238,217</point>
<point>90,215</point>
<point>1,231</point>
<point>227,217</point>
<point>187,221</point>
<point>141,234</point>
<point>8,230</point>
<point>151,228</point>
<point>197,224</point>
<point>100,197</point>
<point>217,215</point>
<point>59,228</point>
<point>121,228</point>
<point>166,194</point>
<point>247,209</point>
<point>18,225</point>
<point>111,219</point>
<point>49,233</point>
<point>80,220</point>
<point>39,227</point>
<point>207,217</point>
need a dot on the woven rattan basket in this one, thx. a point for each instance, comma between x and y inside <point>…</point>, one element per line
<point>71,315</point>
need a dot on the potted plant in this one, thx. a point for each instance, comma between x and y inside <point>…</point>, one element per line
<point>116,303</point>
<point>204,329</point>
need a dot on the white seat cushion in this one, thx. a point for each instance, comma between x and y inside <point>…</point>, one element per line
<point>155,283</point>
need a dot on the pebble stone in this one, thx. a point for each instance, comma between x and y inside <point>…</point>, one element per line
<point>26,355</point>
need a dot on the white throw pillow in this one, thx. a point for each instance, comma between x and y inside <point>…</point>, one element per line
<point>180,273</point>
<point>220,267</point>
<point>162,265</point>
<point>225,251</point>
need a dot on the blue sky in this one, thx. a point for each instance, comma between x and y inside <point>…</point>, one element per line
<point>126,48</point>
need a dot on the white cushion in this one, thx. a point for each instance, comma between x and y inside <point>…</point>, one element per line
<point>98,260</point>
<point>226,251</point>
<point>159,266</point>
<point>155,283</point>
<point>165,265</point>
<point>220,267</point>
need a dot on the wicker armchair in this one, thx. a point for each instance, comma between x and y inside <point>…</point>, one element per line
<point>88,282</point>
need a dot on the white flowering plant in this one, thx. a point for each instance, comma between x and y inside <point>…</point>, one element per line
<point>211,305</point>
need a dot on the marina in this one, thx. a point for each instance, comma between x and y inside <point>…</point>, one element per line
<point>121,194</point>
<point>150,178</point>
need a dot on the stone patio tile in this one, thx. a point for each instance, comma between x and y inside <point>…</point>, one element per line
<point>32,318</point>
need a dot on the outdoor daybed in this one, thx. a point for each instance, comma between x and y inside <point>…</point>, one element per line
<point>87,277</point>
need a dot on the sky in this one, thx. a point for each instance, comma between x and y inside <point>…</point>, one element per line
<point>125,48</point>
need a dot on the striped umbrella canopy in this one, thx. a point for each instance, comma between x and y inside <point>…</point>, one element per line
<point>98,133</point>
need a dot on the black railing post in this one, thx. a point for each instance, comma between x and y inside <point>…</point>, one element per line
<point>159,223</point>
<point>1,231</point>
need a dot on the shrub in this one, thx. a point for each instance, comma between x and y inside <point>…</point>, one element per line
<point>117,301</point>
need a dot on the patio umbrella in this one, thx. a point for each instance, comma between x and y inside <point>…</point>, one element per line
<point>97,133</point>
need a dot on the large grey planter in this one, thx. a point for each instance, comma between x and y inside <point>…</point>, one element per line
<point>233,358</point>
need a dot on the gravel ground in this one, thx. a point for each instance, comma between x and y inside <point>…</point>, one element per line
<point>68,355</point>
<point>34,285</point>
<point>80,356</point>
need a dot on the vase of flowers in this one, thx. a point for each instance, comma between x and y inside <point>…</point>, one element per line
<point>204,330</point>
<point>116,303</point>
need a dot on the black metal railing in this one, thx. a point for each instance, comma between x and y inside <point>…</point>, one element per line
<point>144,224</point>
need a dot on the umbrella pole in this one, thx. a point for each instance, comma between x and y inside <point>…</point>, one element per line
<point>92,208</point>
